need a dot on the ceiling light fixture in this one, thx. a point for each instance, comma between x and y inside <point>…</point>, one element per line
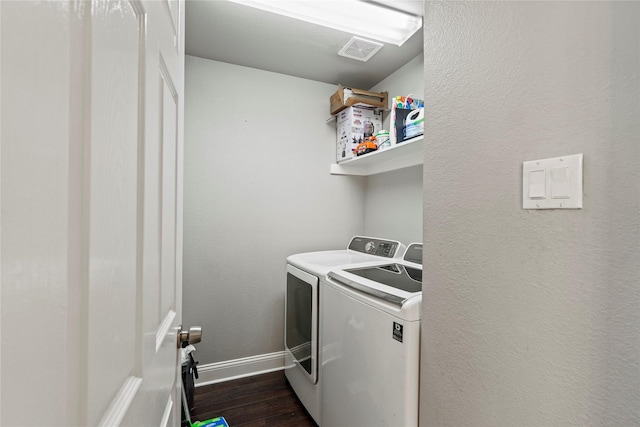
<point>358,17</point>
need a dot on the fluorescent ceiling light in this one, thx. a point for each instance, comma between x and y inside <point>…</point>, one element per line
<point>358,17</point>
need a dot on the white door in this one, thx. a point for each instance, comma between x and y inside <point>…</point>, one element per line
<point>91,211</point>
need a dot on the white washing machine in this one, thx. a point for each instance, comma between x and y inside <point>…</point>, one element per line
<point>370,323</point>
<point>306,276</point>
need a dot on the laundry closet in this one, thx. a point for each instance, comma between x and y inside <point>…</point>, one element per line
<point>258,187</point>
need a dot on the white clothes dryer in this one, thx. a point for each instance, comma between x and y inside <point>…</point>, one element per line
<point>306,276</point>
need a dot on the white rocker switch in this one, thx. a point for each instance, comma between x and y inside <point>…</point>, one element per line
<point>560,183</point>
<point>537,184</point>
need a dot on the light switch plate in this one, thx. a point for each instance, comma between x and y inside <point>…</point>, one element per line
<point>562,181</point>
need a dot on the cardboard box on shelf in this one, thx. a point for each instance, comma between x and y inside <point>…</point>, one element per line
<point>353,126</point>
<point>349,97</point>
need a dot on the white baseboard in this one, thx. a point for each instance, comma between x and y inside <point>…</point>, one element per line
<point>212,373</point>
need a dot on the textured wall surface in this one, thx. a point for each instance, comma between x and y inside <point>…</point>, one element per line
<point>530,318</point>
<point>257,189</point>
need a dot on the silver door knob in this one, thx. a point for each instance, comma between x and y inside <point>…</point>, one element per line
<point>192,336</point>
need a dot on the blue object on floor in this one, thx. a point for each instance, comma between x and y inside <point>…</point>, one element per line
<point>214,422</point>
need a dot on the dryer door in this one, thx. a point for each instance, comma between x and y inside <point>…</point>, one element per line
<point>301,321</point>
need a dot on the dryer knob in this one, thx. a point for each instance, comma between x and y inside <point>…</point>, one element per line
<point>370,247</point>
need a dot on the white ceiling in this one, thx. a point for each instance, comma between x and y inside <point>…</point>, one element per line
<point>237,34</point>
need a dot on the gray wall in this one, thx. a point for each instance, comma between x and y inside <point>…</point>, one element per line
<point>393,200</point>
<point>530,317</point>
<point>257,189</point>
<point>393,205</point>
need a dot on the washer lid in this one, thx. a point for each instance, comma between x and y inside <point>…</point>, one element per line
<point>397,276</point>
<point>394,283</point>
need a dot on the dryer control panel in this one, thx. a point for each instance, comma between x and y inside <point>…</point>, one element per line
<point>373,246</point>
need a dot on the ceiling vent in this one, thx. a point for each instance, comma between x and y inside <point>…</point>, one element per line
<point>360,49</point>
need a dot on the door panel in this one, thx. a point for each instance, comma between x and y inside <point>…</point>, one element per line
<point>111,204</point>
<point>174,10</point>
<point>91,236</point>
<point>158,400</point>
<point>36,244</point>
<point>169,110</point>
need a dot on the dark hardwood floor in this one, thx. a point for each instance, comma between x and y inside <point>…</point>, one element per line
<point>261,400</point>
